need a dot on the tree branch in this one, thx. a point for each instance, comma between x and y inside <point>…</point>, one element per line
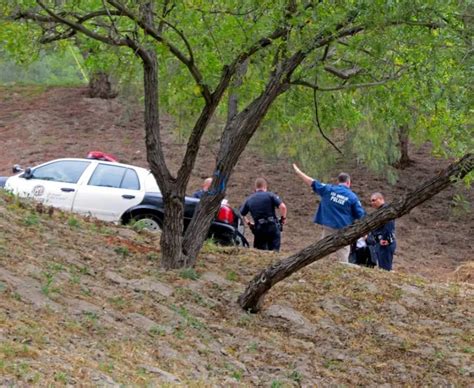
<point>345,86</point>
<point>188,62</point>
<point>344,74</point>
<point>42,19</point>
<point>79,27</point>
<point>112,21</point>
<point>316,115</point>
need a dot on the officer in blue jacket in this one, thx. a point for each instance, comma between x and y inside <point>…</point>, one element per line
<point>339,206</point>
<point>382,239</point>
<point>266,226</point>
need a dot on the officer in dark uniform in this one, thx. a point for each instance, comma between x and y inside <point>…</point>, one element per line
<point>265,226</point>
<point>382,240</point>
<point>205,188</point>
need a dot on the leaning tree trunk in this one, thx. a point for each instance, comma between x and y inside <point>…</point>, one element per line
<point>250,300</point>
<point>172,189</point>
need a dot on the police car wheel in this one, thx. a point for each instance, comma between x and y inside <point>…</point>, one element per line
<point>238,241</point>
<point>148,222</point>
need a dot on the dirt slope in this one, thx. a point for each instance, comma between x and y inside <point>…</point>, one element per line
<point>38,124</point>
<point>84,303</point>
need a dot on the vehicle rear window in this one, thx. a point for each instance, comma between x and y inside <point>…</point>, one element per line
<point>114,176</point>
<point>130,180</point>
<point>68,171</point>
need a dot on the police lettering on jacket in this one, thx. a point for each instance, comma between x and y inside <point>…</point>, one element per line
<point>338,198</point>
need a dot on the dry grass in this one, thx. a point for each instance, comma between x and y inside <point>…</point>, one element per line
<point>75,309</point>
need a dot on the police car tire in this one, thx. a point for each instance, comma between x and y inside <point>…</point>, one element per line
<point>149,222</point>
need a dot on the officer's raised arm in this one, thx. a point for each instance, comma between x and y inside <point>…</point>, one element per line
<point>307,179</point>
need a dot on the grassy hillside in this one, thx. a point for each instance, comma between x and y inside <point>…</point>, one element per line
<point>84,302</point>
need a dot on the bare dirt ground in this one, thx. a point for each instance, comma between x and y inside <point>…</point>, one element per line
<point>38,124</point>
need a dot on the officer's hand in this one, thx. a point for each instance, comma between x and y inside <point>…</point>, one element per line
<point>283,220</point>
<point>384,243</point>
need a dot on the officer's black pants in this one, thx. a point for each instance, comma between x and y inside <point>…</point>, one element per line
<point>267,237</point>
<point>385,256</point>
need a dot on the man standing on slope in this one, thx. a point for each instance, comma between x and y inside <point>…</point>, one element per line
<point>339,206</point>
<point>266,227</point>
<point>383,238</point>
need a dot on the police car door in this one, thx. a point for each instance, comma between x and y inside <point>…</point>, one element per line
<point>54,184</point>
<point>110,191</point>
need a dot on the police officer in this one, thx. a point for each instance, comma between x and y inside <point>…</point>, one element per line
<point>205,188</point>
<point>382,239</point>
<point>339,206</point>
<point>265,227</point>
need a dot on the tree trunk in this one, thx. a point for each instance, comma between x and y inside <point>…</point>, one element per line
<point>173,193</point>
<point>172,189</point>
<point>250,300</point>
<point>172,256</point>
<point>100,86</point>
<point>404,160</point>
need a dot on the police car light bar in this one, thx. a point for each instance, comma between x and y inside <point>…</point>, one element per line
<point>98,155</point>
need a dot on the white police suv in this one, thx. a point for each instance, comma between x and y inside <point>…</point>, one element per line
<point>103,188</point>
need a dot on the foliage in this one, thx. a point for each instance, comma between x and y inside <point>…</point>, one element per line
<point>189,273</point>
<point>431,95</point>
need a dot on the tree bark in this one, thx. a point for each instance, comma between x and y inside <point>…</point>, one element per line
<point>100,86</point>
<point>173,193</point>
<point>403,138</point>
<point>172,256</point>
<point>251,299</point>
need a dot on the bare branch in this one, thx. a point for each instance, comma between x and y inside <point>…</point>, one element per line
<point>344,74</point>
<point>346,86</point>
<point>79,27</point>
<point>112,21</point>
<point>316,115</point>
<point>188,62</point>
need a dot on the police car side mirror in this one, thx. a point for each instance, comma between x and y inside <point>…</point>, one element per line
<point>27,174</point>
<point>16,169</point>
